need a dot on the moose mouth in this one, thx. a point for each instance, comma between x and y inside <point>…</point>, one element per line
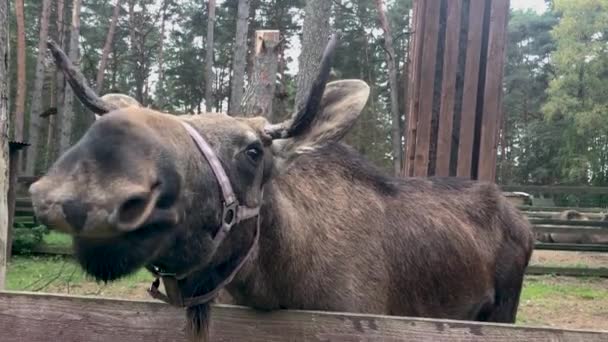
<point>111,258</point>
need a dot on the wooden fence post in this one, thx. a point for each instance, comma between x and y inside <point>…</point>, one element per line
<point>258,99</point>
<point>456,88</point>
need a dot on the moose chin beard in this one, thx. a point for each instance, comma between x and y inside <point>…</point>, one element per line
<point>108,259</point>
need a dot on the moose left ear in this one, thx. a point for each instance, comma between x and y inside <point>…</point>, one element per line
<point>341,105</point>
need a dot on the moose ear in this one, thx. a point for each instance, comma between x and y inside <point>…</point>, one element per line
<point>340,106</point>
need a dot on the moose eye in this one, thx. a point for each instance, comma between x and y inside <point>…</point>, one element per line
<point>254,153</point>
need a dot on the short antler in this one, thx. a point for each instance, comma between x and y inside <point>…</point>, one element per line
<point>77,81</point>
<point>305,115</point>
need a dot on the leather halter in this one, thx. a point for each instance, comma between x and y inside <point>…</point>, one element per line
<point>232,214</point>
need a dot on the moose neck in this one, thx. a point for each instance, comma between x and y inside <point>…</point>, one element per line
<point>304,221</point>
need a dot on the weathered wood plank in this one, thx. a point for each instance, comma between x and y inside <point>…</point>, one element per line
<point>525,208</point>
<point>36,317</point>
<point>492,107</point>
<point>471,81</point>
<point>448,88</point>
<point>427,83</point>
<point>568,271</point>
<point>569,230</point>
<point>557,189</point>
<point>575,247</point>
<point>550,215</point>
<point>576,223</point>
<point>414,94</point>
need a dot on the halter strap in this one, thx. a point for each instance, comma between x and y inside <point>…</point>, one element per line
<point>232,214</point>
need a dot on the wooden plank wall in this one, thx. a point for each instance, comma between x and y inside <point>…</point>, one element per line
<point>43,317</point>
<point>458,48</point>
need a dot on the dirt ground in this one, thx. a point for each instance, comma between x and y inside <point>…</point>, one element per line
<point>558,258</point>
<point>566,302</point>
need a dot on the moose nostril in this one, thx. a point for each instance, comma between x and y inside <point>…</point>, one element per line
<point>132,208</point>
<point>75,213</point>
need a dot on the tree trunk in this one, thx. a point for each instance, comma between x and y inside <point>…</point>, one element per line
<point>160,103</point>
<point>54,123</point>
<point>394,86</point>
<point>36,105</point>
<point>107,47</point>
<point>4,137</point>
<point>209,57</point>
<point>314,38</point>
<point>67,117</point>
<point>18,119</point>
<point>259,96</point>
<point>239,61</point>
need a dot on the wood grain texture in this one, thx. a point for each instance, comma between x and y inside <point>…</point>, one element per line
<point>471,81</point>
<point>492,107</point>
<point>448,88</point>
<point>418,22</point>
<point>573,247</point>
<point>427,83</point>
<point>42,318</point>
<point>568,271</point>
<point>557,189</point>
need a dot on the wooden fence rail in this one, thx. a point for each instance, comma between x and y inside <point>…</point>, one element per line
<point>43,317</point>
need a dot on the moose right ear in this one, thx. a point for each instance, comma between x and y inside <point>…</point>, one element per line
<point>341,104</point>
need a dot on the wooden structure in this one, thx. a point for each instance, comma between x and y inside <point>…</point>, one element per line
<point>42,318</point>
<point>455,88</point>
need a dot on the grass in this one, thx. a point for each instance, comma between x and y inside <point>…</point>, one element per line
<point>580,302</point>
<point>57,239</point>
<point>62,275</point>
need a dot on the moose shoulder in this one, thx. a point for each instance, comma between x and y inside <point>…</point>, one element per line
<point>326,230</point>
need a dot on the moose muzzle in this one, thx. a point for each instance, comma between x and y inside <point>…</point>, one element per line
<point>96,213</point>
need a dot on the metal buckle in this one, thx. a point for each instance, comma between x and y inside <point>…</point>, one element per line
<point>229,214</point>
<point>160,273</point>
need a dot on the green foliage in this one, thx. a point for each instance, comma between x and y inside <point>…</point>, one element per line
<point>26,237</point>
<point>556,99</point>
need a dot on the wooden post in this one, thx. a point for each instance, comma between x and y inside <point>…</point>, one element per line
<point>257,101</point>
<point>459,48</point>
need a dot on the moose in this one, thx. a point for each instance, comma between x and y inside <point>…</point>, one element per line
<point>281,216</point>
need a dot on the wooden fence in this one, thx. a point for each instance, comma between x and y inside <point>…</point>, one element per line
<point>43,317</point>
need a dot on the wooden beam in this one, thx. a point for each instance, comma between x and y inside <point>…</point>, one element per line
<point>427,86</point>
<point>448,87</point>
<point>569,230</point>
<point>492,108</point>
<point>42,318</point>
<point>471,81</point>
<point>560,209</point>
<point>573,247</point>
<point>578,223</point>
<point>568,271</point>
<point>557,189</point>
<point>418,23</point>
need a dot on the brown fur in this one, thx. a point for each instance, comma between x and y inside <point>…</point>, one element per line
<point>336,233</point>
